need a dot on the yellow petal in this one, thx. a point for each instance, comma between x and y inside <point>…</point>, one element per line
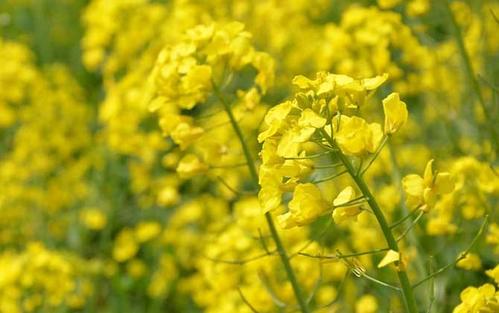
<point>428,173</point>
<point>413,185</point>
<point>375,82</point>
<point>157,104</point>
<point>303,82</point>
<point>390,257</point>
<point>344,196</point>
<point>191,165</point>
<point>395,113</point>
<point>342,214</point>
<point>309,118</point>
<point>274,119</point>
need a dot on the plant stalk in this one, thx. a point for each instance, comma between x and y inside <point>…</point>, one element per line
<point>470,75</point>
<point>273,231</point>
<point>406,288</point>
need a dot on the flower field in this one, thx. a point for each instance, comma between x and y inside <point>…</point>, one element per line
<point>249,156</point>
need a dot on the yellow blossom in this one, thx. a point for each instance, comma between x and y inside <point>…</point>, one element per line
<point>190,165</point>
<point>145,231</point>
<point>471,262</point>
<point>494,274</point>
<point>366,304</point>
<point>395,113</point>
<point>423,191</point>
<point>355,136</point>
<point>125,246</point>
<point>307,204</point>
<point>93,218</point>
<point>343,211</point>
<point>475,300</point>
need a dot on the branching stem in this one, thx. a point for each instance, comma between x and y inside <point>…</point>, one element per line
<point>273,231</point>
<point>406,288</point>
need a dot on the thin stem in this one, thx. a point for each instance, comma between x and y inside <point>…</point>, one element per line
<point>312,156</point>
<point>413,240</point>
<point>226,166</point>
<point>375,156</point>
<point>359,271</point>
<point>236,192</point>
<point>242,261</point>
<point>287,265</point>
<point>471,76</point>
<point>254,175</point>
<point>235,125</point>
<point>459,258</point>
<point>340,290</point>
<point>406,288</point>
<point>250,306</point>
<point>325,179</point>
<point>416,220</point>
<point>382,283</point>
<point>432,286</point>
<point>342,256</point>
<point>316,285</point>
<point>305,246</point>
<point>319,167</point>
<point>270,291</point>
<point>403,219</point>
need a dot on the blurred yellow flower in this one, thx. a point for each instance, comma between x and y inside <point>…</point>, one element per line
<point>147,230</point>
<point>366,304</point>
<point>93,218</point>
<point>125,245</point>
<point>395,113</point>
<point>471,262</point>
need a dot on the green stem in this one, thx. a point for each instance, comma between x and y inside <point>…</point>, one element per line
<point>273,231</point>
<point>471,76</point>
<point>397,178</point>
<point>406,288</point>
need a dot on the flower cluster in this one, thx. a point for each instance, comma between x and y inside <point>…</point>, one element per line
<point>319,119</point>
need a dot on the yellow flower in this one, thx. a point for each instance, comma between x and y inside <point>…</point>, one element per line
<point>274,119</point>
<point>146,231</point>
<point>125,246</point>
<point>93,218</point>
<point>440,225</point>
<point>185,134</point>
<point>311,119</point>
<point>395,113</point>
<point>270,192</point>
<point>366,304</point>
<point>477,300</point>
<point>355,136</point>
<point>418,7</point>
<point>342,210</point>
<point>422,191</point>
<point>471,262</point>
<point>197,80</point>
<point>191,165</point>
<point>388,4</point>
<point>136,268</point>
<point>494,273</point>
<point>307,204</point>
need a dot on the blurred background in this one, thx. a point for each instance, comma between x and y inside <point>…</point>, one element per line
<point>95,218</point>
